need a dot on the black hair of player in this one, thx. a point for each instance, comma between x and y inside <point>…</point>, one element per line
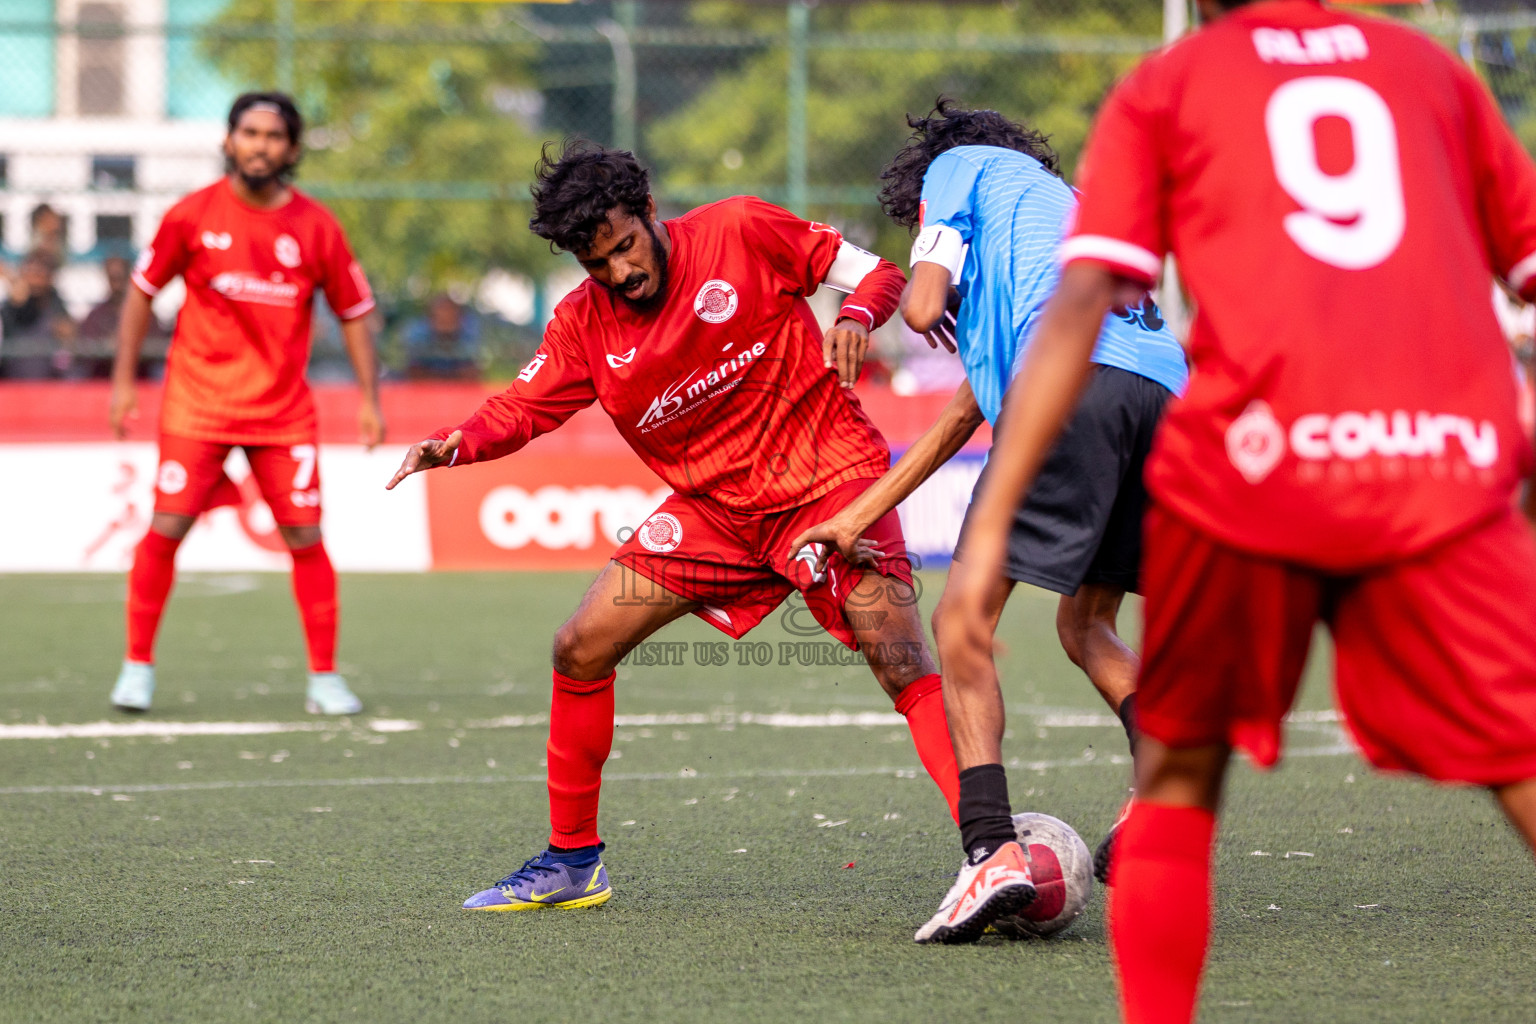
<point>292,120</point>
<point>946,127</point>
<point>573,191</point>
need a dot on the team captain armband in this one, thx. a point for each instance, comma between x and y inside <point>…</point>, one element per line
<point>941,244</point>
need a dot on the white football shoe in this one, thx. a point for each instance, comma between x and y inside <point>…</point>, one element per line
<point>999,885</point>
<point>328,695</point>
<point>135,687</point>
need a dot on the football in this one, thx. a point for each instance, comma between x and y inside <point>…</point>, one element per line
<point>1063,872</point>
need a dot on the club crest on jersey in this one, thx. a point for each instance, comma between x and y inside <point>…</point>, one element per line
<point>620,361</point>
<point>286,249</point>
<point>1255,442</point>
<point>217,240</point>
<point>172,478</point>
<point>716,302</point>
<point>660,533</point>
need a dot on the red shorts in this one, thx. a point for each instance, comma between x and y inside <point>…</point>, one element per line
<point>191,479</point>
<point>1435,656</point>
<point>739,566</point>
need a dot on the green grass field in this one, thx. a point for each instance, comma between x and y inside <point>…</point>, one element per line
<point>318,875</point>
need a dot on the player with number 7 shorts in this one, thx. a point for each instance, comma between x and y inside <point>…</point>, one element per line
<point>1338,191</point>
<point>252,251</point>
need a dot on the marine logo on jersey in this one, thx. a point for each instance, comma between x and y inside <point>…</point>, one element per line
<point>1255,442</point>
<point>620,361</point>
<point>716,302</point>
<point>217,240</point>
<point>286,249</point>
<point>660,533</point>
<point>172,478</point>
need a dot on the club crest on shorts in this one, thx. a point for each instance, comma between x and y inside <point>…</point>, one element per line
<point>1255,442</point>
<point>172,478</point>
<point>716,302</point>
<point>660,533</point>
<point>286,249</point>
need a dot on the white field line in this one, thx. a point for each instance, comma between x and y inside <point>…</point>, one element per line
<point>1334,750</point>
<point>775,720</point>
<point>115,730</point>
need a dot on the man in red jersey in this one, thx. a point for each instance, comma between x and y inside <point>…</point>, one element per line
<point>1338,191</point>
<point>252,251</point>
<point>695,336</point>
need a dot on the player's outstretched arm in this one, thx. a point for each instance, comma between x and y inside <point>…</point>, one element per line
<point>928,304</point>
<point>939,443</point>
<point>358,338</point>
<point>132,328</point>
<point>426,455</point>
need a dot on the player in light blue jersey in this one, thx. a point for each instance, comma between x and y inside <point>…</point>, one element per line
<point>991,209</point>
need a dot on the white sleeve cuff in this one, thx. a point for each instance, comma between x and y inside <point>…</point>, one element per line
<point>144,285</point>
<point>1520,274</point>
<point>941,244</point>
<point>850,267</point>
<point>1112,251</point>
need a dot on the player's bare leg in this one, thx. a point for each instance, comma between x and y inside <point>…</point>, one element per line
<point>883,613</point>
<point>149,587</point>
<point>1086,623</point>
<point>1159,911</point>
<point>972,697</point>
<point>1518,802</point>
<point>619,610</point>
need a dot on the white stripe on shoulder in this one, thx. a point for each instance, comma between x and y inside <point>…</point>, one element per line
<point>1110,250</point>
<point>1520,274</point>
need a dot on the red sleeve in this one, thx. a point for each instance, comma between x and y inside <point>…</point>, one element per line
<point>877,296</point>
<point>1119,220</point>
<point>161,260</point>
<point>1504,180</point>
<point>346,288</point>
<point>554,385</point>
<point>803,251</point>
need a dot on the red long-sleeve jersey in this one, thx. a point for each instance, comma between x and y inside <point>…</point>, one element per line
<point>720,389</point>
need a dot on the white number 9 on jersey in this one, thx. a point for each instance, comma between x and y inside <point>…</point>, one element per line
<point>1352,220</point>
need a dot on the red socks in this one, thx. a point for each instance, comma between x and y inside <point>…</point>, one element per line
<point>314,588</point>
<point>1160,910</point>
<point>580,737</point>
<point>922,702</point>
<point>149,585</point>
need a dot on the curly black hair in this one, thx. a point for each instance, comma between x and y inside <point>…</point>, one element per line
<point>948,126</point>
<point>281,104</point>
<point>574,189</point>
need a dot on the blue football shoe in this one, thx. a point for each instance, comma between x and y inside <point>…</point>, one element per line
<point>135,687</point>
<point>545,881</point>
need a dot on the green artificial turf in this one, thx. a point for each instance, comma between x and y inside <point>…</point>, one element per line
<point>318,875</point>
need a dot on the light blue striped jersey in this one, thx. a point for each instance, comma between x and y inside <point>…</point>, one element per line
<point>1012,212</point>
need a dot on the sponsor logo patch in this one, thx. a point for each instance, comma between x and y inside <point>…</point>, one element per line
<point>660,533</point>
<point>534,366</point>
<point>217,240</point>
<point>250,288</point>
<point>716,302</point>
<point>619,361</point>
<point>1255,442</point>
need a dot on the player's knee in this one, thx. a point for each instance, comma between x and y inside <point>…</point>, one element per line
<point>575,654</point>
<point>297,537</point>
<point>1072,632</point>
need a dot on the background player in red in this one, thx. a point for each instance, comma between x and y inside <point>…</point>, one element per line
<point>1339,191</point>
<point>695,336</point>
<point>252,251</point>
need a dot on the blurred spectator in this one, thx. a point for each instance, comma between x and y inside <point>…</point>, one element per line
<point>39,335</point>
<point>924,369</point>
<point>98,331</point>
<point>48,229</point>
<point>444,344</point>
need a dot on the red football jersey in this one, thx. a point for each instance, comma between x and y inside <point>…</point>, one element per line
<point>235,372</point>
<point>720,389</point>
<point>1338,191</point>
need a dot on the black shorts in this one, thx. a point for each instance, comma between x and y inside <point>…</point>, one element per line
<point>1081,522</point>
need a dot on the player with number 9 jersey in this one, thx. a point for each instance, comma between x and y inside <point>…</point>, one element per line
<point>1338,191</point>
